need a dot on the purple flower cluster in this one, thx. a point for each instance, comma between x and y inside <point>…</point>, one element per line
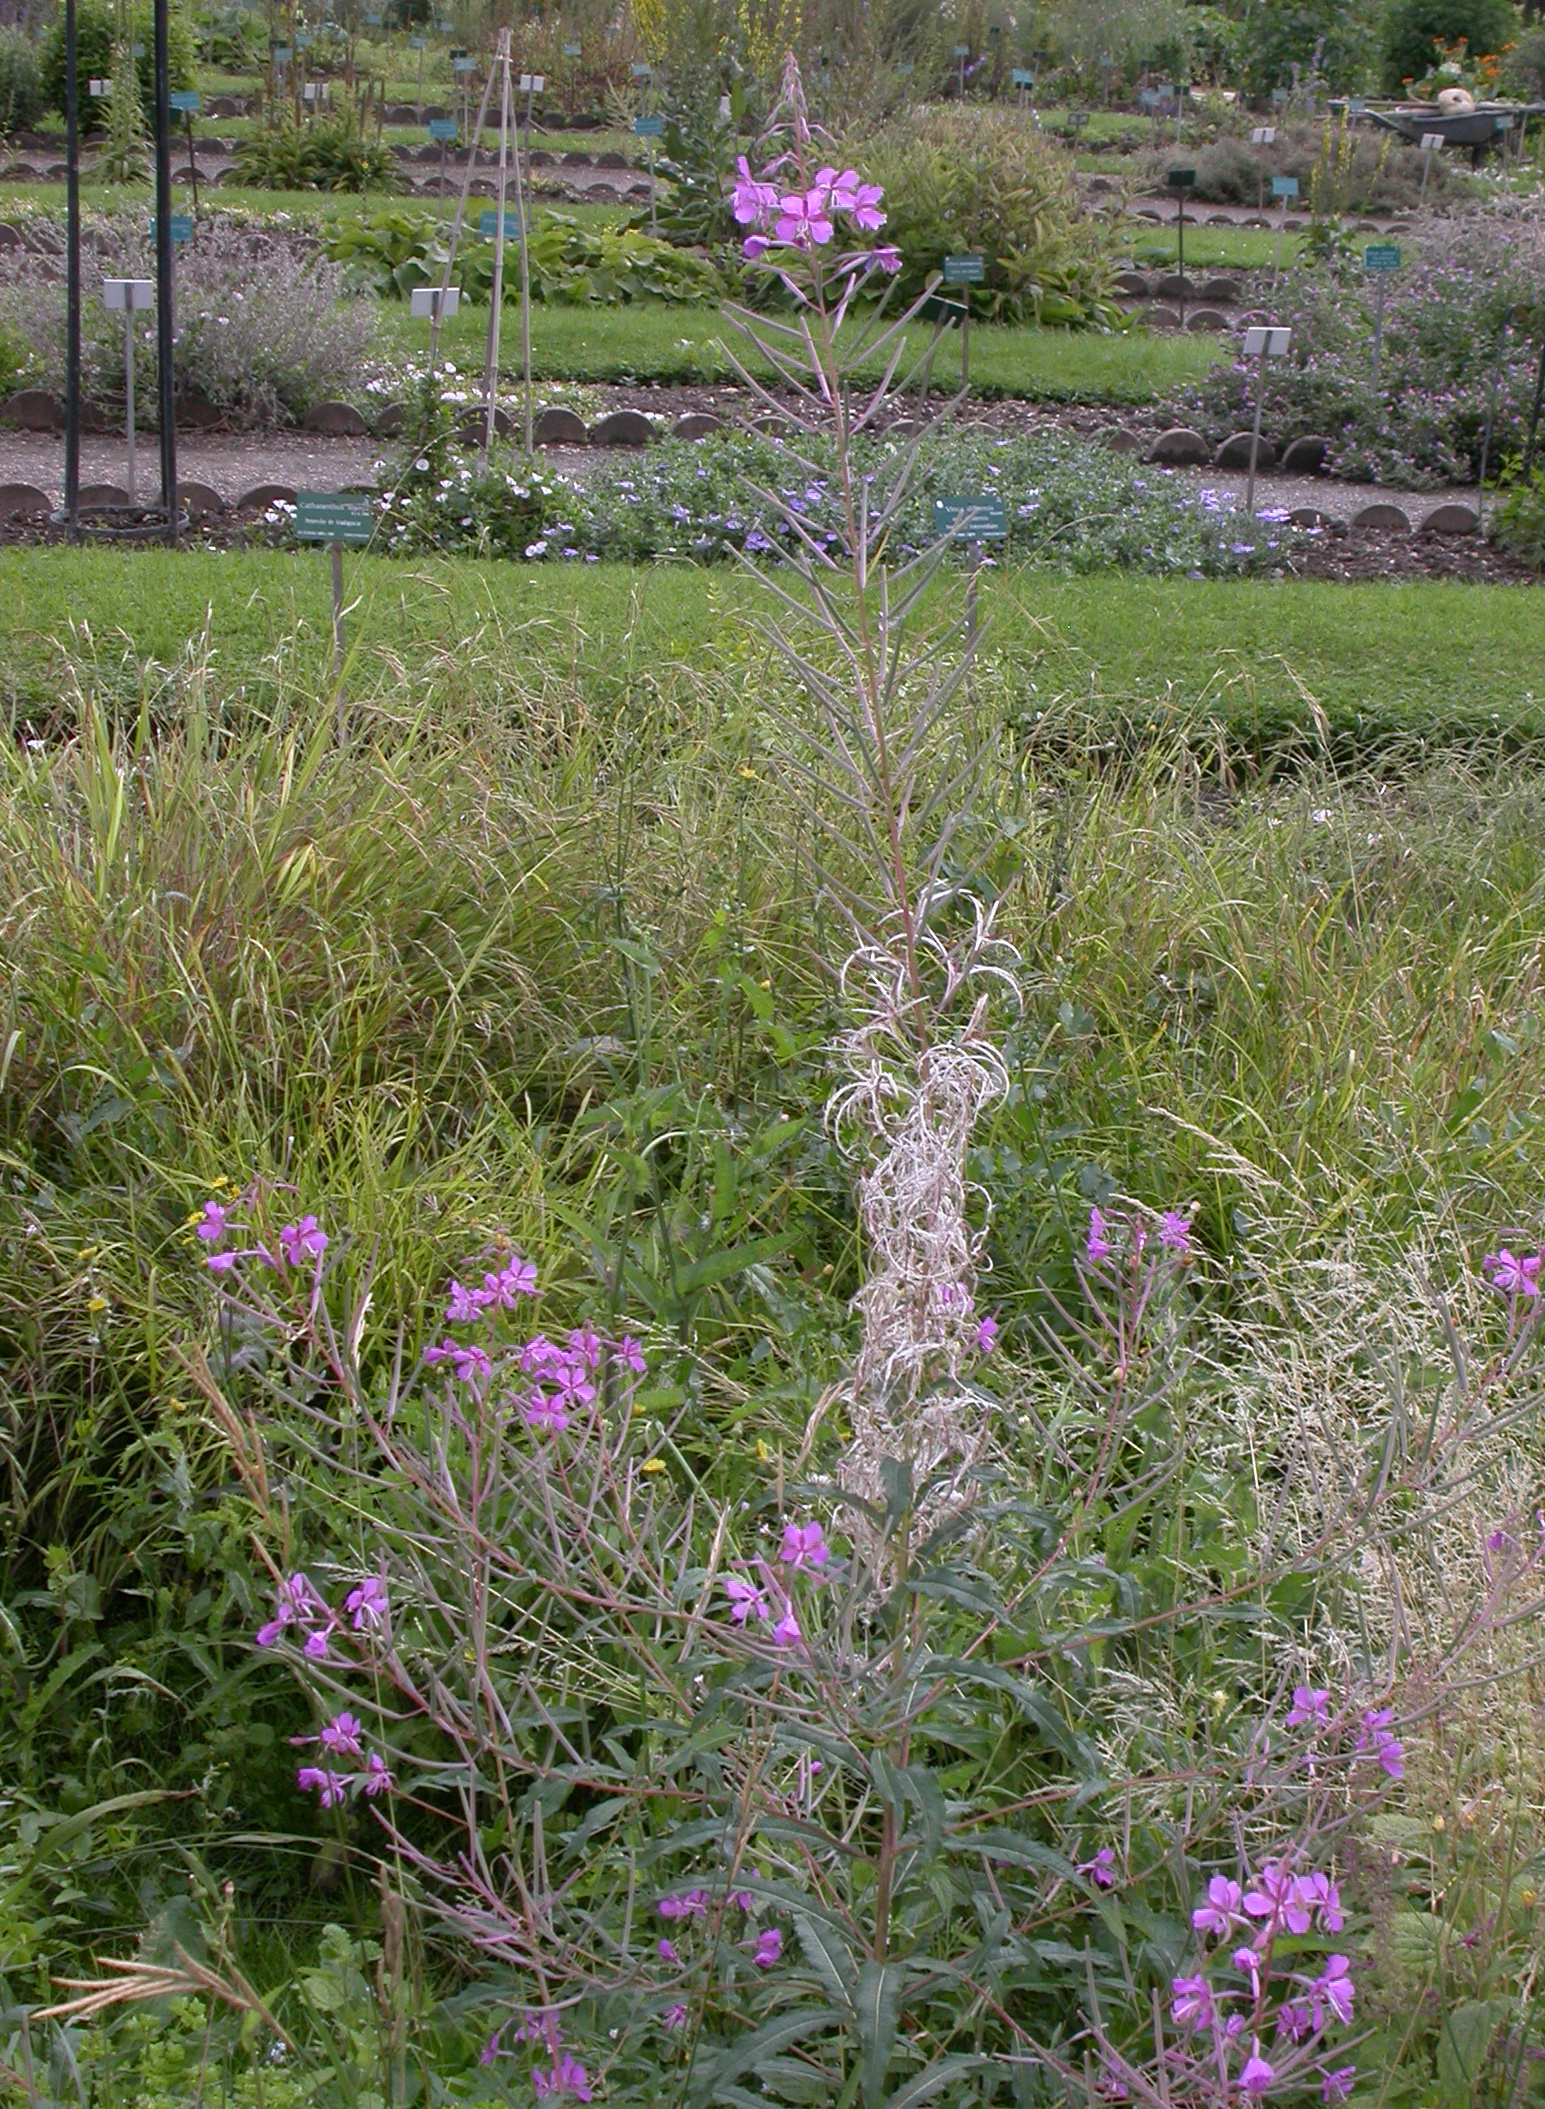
<point>765,1946</point>
<point>1262,2026</point>
<point>804,216</point>
<point>303,1615</point>
<point>804,1551</point>
<point>296,1244</point>
<point>1102,1239</point>
<point>1515,1277</point>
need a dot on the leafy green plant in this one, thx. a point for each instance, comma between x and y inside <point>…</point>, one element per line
<point>96,29</point>
<point>23,96</point>
<point>329,152</point>
<point>988,184</point>
<point>1518,522</point>
<point>399,249</point>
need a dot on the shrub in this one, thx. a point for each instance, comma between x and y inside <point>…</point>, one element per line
<point>1329,37</point>
<point>1414,28</point>
<point>324,153</point>
<point>96,30</point>
<point>1523,68</point>
<point>393,251</point>
<point>1424,425</point>
<point>1519,520</point>
<point>1370,172</point>
<point>261,329</point>
<point>23,98</point>
<point>983,181</point>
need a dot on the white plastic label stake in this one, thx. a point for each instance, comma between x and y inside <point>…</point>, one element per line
<point>428,302</point>
<point>1270,342</point>
<point>1263,135</point>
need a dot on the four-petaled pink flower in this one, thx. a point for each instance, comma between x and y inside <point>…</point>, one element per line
<point>1258,2074</point>
<point>1379,1738</point>
<point>212,1223</point>
<point>769,1946</point>
<point>1337,2085</point>
<point>547,1413</point>
<point>804,1545</point>
<point>331,1786</point>
<point>987,1335</point>
<point>1220,1913</point>
<point>1512,1275</point>
<point>1096,1244</point>
<point>376,1778</point>
<point>628,1352</point>
<point>886,258</point>
<point>568,2076</point>
<point>1332,1992</point>
<point>1279,1896</point>
<point>340,1736</point>
<point>689,1904</point>
<point>804,219</point>
<point>1101,1870</point>
<point>754,201</point>
<point>469,1363</point>
<point>666,1951</point>
<point>305,1240</point>
<point>366,1603</point>
<point>295,1603</point>
<point>464,1306</point>
<point>1191,2002</point>
<point>746,1600</point>
<point>674,2016</point>
<point>1175,1232</point>
<point>786,1631</point>
<point>1309,1704</point>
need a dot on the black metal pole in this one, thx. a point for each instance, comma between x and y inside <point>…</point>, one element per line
<point>164,332</point>
<point>72,277</point>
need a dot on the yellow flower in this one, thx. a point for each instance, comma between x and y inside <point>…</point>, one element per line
<point>97,1303</point>
<point>747,773</point>
<point>653,1464</point>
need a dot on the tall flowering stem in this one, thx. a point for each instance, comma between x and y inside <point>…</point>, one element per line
<point>887,783</point>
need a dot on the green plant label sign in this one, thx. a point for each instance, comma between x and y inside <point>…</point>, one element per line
<point>962,51</point>
<point>964,270</point>
<point>488,226</point>
<point>281,54</point>
<point>180,224</point>
<point>463,65</point>
<point>978,519</point>
<point>1022,77</point>
<point>1284,186</point>
<point>442,128</point>
<point>905,68</point>
<point>1181,179</point>
<point>649,127</point>
<point>418,43</point>
<point>1381,256</point>
<point>639,70</point>
<point>571,51</point>
<point>183,100</point>
<point>333,516</point>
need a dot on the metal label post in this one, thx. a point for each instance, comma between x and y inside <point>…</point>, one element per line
<point>1261,344</point>
<point>1380,259</point>
<point>133,296</point>
<point>165,333</point>
<point>1180,180</point>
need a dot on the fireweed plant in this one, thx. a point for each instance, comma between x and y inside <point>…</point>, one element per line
<point>832,1794</point>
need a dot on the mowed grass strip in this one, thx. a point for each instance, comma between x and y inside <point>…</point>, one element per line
<point>1350,668</point>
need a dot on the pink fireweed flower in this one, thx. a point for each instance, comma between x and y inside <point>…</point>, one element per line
<point>629,1354</point>
<point>886,258</point>
<point>1309,1704</point>
<point>314,1647</point>
<point>987,1335</point>
<point>688,1904</point>
<point>1101,1870</point>
<point>753,201</point>
<point>296,1603</point>
<point>331,1786</point>
<point>212,1224</point>
<point>755,247</point>
<point>769,1946</point>
<point>517,1277</point>
<point>1277,1896</point>
<point>786,1632</point>
<point>674,2016</point>
<point>464,1306</point>
<point>1175,1232</point>
<point>340,1736</point>
<point>1514,1276</point>
<point>1258,2074</point>
<point>804,1545</point>
<point>568,2076</point>
<point>1294,2021</point>
<point>1323,1894</point>
<point>1191,2002</point>
<point>365,1604</point>
<point>1337,2085</point>
<point>1332,1992</point>
<point>1096,1244</point>
<point>548,1414</point>
<point>666,1951</point>
<point>746,1600</point>
<point>304,1240</point>
<point>804,219</point>
<point>1248,1962</point>
<point>1379,1740</point>
<point>1220,1913</point>
<point>376,1777</point>
<point>468,1363</point>
<point>490,2051</point>
<point>585,1346</point>
<point>865,209</point>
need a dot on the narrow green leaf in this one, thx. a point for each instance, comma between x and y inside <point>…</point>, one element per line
<point>877,2007</point>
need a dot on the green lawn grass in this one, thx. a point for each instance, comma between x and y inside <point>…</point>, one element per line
<point>686,345</point>
<point>1271,663</point>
